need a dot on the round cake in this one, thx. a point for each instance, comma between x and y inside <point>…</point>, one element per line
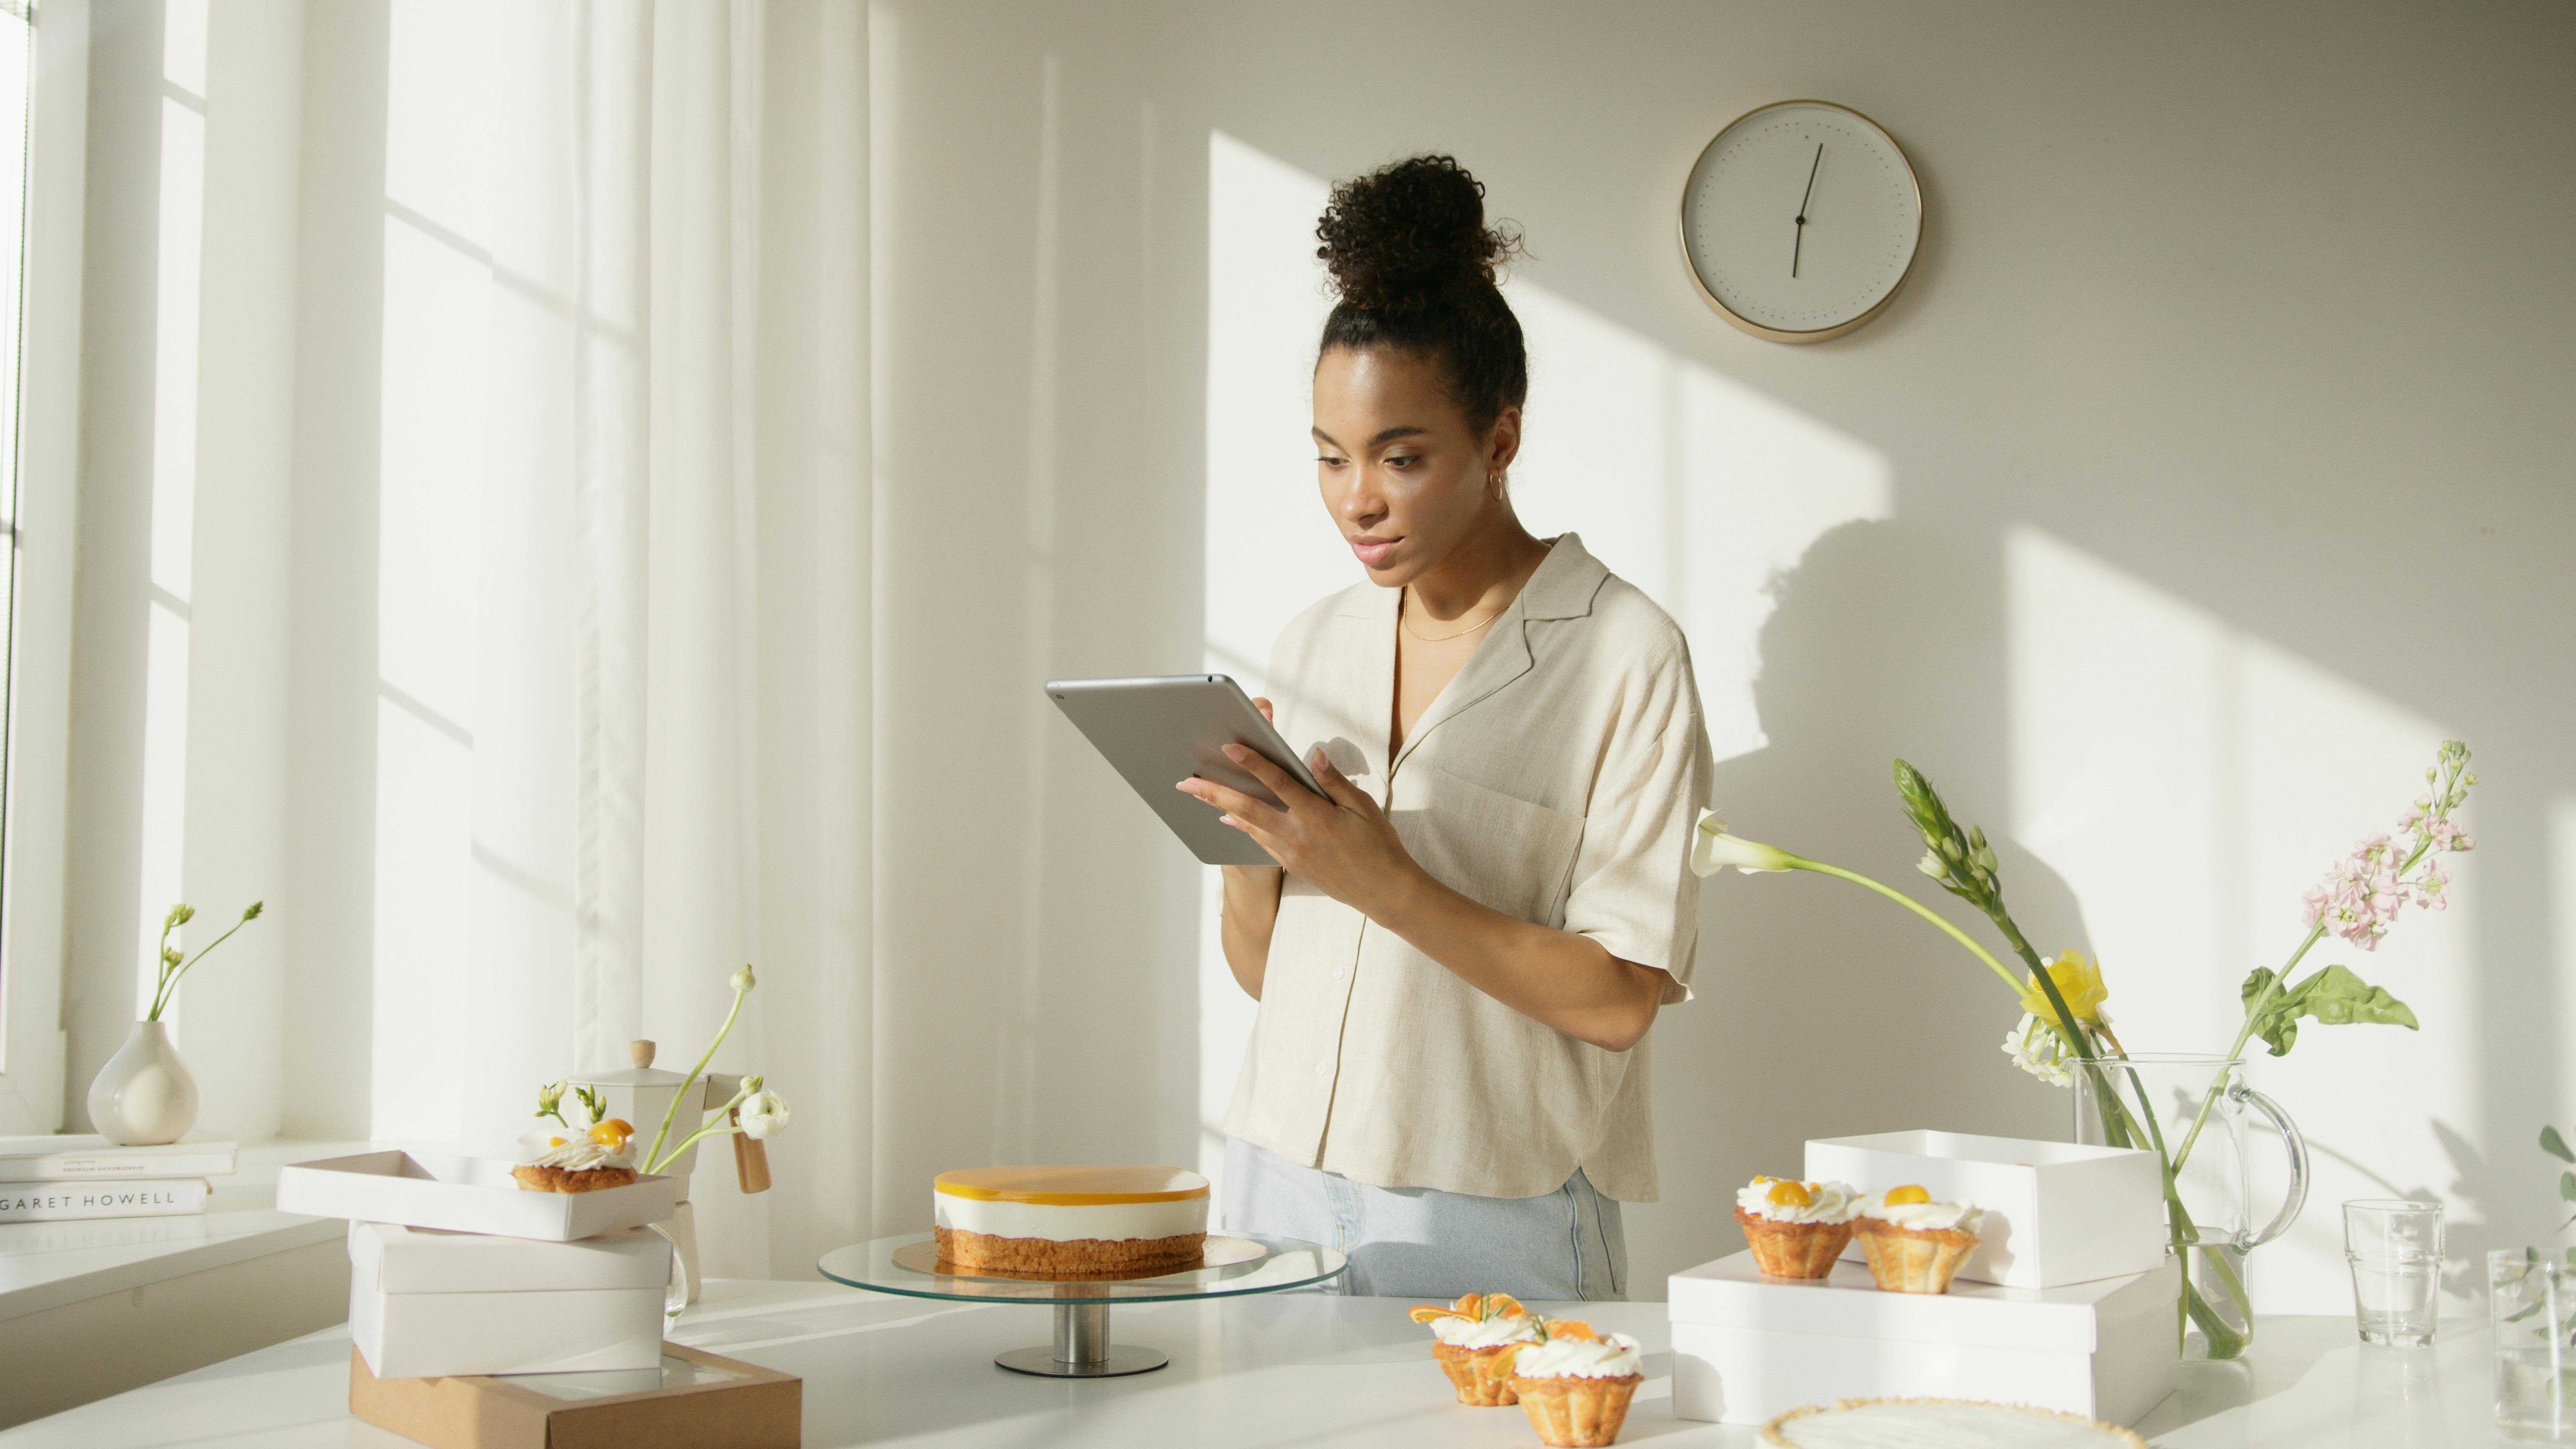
<point>1940,1424</point>
<point>1070,1219</point>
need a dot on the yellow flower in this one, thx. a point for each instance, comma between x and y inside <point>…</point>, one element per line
<point>2078,980</point>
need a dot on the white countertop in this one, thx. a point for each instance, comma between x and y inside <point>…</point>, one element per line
<point>1296,1368</point>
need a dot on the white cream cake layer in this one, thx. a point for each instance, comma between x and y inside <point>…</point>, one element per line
<point>1106,1222</point>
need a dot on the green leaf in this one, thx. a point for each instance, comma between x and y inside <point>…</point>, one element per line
<point>2332,997</point>
<point>2567,1187</point>
<point>2555,1145</point>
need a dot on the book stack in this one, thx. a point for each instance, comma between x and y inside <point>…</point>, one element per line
<point>58,1177</point>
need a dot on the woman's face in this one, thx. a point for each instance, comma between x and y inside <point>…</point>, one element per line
<point>1402,474</point>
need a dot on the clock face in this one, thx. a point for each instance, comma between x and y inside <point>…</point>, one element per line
<point>1800,220</point>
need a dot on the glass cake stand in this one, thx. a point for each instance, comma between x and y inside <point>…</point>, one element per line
<point>1233,1264</point>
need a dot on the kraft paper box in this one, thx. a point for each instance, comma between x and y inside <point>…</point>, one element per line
<point>2055,1212</point>
<point>691,1400</point>
<point>424,1303</point>
<point>466,1195</point>
<point>1747,1348</point>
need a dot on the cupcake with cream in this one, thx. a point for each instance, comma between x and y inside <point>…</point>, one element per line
<point>1915,1245</point>
<point>1474,1339</point>
<point>1796,1229</point>
<point>603,1156</point>
<point>1575,1384</point>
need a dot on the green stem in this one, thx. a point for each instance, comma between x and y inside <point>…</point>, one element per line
<point>1918,908</point>
<point>170,983</point>
<point>714,1123</point>
<point>2253,1013</point>
<point>694,1072</point>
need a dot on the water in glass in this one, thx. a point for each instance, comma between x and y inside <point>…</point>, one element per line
<point>2395,1249</point>
<point>2534,1306</point>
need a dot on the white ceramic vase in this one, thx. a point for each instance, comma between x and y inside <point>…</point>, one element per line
<point>144,1096</point>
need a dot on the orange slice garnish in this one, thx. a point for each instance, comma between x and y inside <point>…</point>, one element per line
<point>1426,1314</point>
<point>1790,1194</point>
<point>1908,1193</point>
<point>1574,1328</point>
<point>612,1133</point>
<point>1504,1305</point>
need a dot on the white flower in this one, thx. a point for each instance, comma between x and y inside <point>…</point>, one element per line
<point>763,1113</point>
<point>2037,1050</point>
<point>1713,850</point>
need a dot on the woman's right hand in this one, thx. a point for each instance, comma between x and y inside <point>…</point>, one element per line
<point>1254,877</point>
<point>1250,910</point>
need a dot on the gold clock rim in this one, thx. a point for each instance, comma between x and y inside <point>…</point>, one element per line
<point>1681,231</point>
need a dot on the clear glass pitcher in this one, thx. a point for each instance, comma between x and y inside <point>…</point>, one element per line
<point>2195,1112</point>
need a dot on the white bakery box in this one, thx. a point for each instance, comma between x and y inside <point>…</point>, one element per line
<point>1747,1348</point>
<point>430,1304</point>
<point>2068,1302</point>
<point>466,1195</point>
<point>2055,1212</point>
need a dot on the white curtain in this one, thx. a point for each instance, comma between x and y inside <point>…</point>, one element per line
<point>672,633</point>
<point>546,704</point>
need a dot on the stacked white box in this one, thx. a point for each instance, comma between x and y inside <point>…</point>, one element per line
<point>454,1270</point>
<point>430,1304</point>
<point>466,1195</point>
<point>2055,1212</point>
<point>1748,1348</point>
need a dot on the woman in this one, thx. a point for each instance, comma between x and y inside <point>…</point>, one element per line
<point>1478,920</point>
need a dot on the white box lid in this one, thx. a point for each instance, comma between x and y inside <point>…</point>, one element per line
<point>393,1258</point>
<point>466,1195</point>
<point>1732,1293</point>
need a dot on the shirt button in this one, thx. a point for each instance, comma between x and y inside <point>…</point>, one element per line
<point>1324,1067</point>
<point>1341,971</point>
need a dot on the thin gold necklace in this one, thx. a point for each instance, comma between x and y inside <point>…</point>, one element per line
<point>1402,611</point>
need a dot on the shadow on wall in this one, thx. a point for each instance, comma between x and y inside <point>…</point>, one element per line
<point>1823,1011</point>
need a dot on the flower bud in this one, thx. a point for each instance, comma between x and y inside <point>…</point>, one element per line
<point>1932,865</point>
<point>742,980</point>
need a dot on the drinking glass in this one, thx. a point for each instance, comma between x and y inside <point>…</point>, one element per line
<point>2395,1248</point>
<point>2534,1306</point>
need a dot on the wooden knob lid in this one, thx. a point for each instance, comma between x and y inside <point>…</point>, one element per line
<point>640,1052</point>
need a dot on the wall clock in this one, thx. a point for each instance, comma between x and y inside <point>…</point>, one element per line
<point>1801,220</point>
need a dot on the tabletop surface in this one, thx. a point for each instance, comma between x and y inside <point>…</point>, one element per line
<point>1295,1368</point>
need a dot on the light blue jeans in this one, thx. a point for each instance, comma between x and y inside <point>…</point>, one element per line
<point>1420,1242</point>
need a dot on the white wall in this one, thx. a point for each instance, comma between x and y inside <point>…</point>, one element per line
<point>2225,474</point>
<point>2208,469</point>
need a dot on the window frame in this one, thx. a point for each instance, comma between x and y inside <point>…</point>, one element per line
<point>32,890</point>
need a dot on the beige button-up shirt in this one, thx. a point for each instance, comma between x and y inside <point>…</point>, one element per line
<point>1556,779</point>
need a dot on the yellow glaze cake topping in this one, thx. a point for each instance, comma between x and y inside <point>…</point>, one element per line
<point>1072,1186</point>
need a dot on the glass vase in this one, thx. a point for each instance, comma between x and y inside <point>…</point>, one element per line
<point>2198,1115</point>
<point>2532,1302</point>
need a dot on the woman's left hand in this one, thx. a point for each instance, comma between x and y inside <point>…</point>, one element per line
<point>1339,842</point>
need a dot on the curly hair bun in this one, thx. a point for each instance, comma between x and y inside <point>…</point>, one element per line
<point>1411,236</point>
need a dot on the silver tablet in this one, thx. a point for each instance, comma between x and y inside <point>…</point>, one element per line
<point>1160,731</point>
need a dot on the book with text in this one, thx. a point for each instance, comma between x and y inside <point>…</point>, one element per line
<point>65,1157</point>
<point>39,1202</point>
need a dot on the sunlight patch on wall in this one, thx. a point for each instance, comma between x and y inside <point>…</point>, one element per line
<point>2190,783</point>
<point>1691,486</point>
<point>431,471</point>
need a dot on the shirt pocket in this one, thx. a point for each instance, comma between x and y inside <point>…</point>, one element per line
<point>1495,849</point>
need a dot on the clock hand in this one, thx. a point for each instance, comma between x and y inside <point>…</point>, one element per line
<point>1801,246</point>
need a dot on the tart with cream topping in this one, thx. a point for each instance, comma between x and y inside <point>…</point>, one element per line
<point>1796,1229</point>
<point>1575,1384</point>
<point>1076,1220</point>
<point>1474,1340</point>
<point>1915,1245</point>
<point>580,1162</point>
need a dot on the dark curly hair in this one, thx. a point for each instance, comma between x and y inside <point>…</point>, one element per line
<point>1416,265</point>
